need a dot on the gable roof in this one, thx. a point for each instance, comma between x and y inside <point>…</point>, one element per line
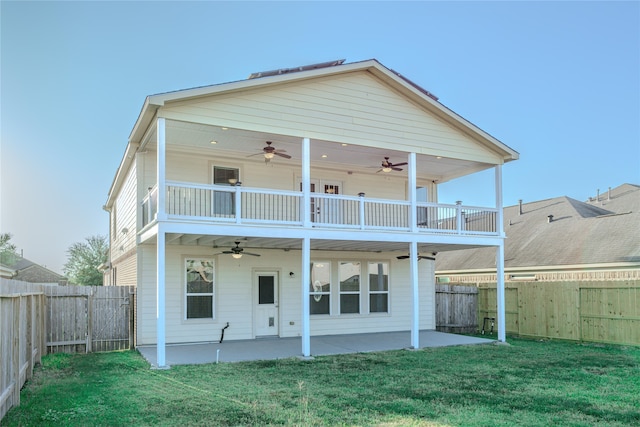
<point>20,268</point>
<point>276,79</point>
<point>603,231</point>
<point>398,82</point>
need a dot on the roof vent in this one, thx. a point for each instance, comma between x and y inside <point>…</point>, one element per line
<point>549,218</point>
<point>520,207</point>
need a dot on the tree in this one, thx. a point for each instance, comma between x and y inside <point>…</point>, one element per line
<point>84,258</point>
<point>8,253</point>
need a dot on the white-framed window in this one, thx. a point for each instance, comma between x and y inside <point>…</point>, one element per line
<point>320,288</point>
<point>224,201</point>
<point>378,273</point>
<point>199,288</point>
<point>349,276</point>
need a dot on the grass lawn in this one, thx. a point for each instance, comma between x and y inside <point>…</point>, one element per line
<point>528,383</point>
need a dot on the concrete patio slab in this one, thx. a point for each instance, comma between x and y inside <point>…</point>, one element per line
<point>282,348</point>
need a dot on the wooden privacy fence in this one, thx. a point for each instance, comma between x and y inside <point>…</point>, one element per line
<point>40,318</point>
<point>605,311</point>
<point>89,318</point>
<point>22,338</point>
<point>456,308</point>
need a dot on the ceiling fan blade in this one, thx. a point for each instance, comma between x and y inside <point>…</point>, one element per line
<point>257,154</point>
<point>419,257</point>
<point>396,169</point>
<point>286,156</point>
<point>379,170</point>
<point>249,253</point>
<point>400,164</point>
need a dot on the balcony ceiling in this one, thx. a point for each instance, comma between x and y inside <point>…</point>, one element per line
<point>218,243</point>
<point>247,145</point>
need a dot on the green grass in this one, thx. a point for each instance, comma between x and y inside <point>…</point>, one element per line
<point>528,383</point>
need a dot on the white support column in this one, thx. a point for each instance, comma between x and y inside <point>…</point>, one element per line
<point>499,202</point>
<point>306,183</point>
<point>415,318</point>
<point>502,333</point>
<point>306,279</point>
<point>413,198</point>
<point>161,170</point>
<point>160,297</point>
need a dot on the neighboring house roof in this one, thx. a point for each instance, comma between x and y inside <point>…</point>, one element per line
<point>20,268</point>
<point>600,231</point>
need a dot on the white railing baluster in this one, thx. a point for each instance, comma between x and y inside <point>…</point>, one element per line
<point>243,205</point>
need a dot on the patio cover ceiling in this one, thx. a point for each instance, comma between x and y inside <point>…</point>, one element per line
<point>220,242</point>
<point>196,139</point>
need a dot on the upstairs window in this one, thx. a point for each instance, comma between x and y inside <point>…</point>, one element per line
<point>224,201</point>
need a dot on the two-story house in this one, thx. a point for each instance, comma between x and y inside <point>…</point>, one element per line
<point>297,202</point>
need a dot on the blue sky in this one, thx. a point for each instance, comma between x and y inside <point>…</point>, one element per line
<point>557,81</point>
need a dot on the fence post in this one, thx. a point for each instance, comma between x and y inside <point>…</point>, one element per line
<point>29,336</point>
<point>88,348</point>
<point>132,324</point>
<point>15,359</point>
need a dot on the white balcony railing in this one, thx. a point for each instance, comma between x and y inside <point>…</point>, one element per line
<point>243,205</point>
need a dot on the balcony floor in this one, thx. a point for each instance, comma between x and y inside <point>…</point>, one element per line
<point>281,348</point>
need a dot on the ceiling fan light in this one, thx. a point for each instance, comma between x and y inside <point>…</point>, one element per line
<point>236,256</point>
<point>386,169</point>
<point>269,155</point>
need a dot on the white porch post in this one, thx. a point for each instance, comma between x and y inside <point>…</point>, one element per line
<point>161,172</point>
<point>306,246</point>
<point>160,245</point>
<point>415,319</point>
<point>160,298</point>
<point>306,279</point>
<point>500,258</point>
<point>306,183</point>
<point>413,211</point>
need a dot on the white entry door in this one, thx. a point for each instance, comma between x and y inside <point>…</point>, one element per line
<point>266,303</point>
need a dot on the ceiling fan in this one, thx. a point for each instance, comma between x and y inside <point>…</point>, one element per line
<point>269,152</point>
<point>431,258</point>
<point>387,166</point>
<point>237,252</point>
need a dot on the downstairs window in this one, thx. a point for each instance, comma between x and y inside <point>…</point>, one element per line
<point>199,288</point>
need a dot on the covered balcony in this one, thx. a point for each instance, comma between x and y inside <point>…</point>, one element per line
<point>222,176</point>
